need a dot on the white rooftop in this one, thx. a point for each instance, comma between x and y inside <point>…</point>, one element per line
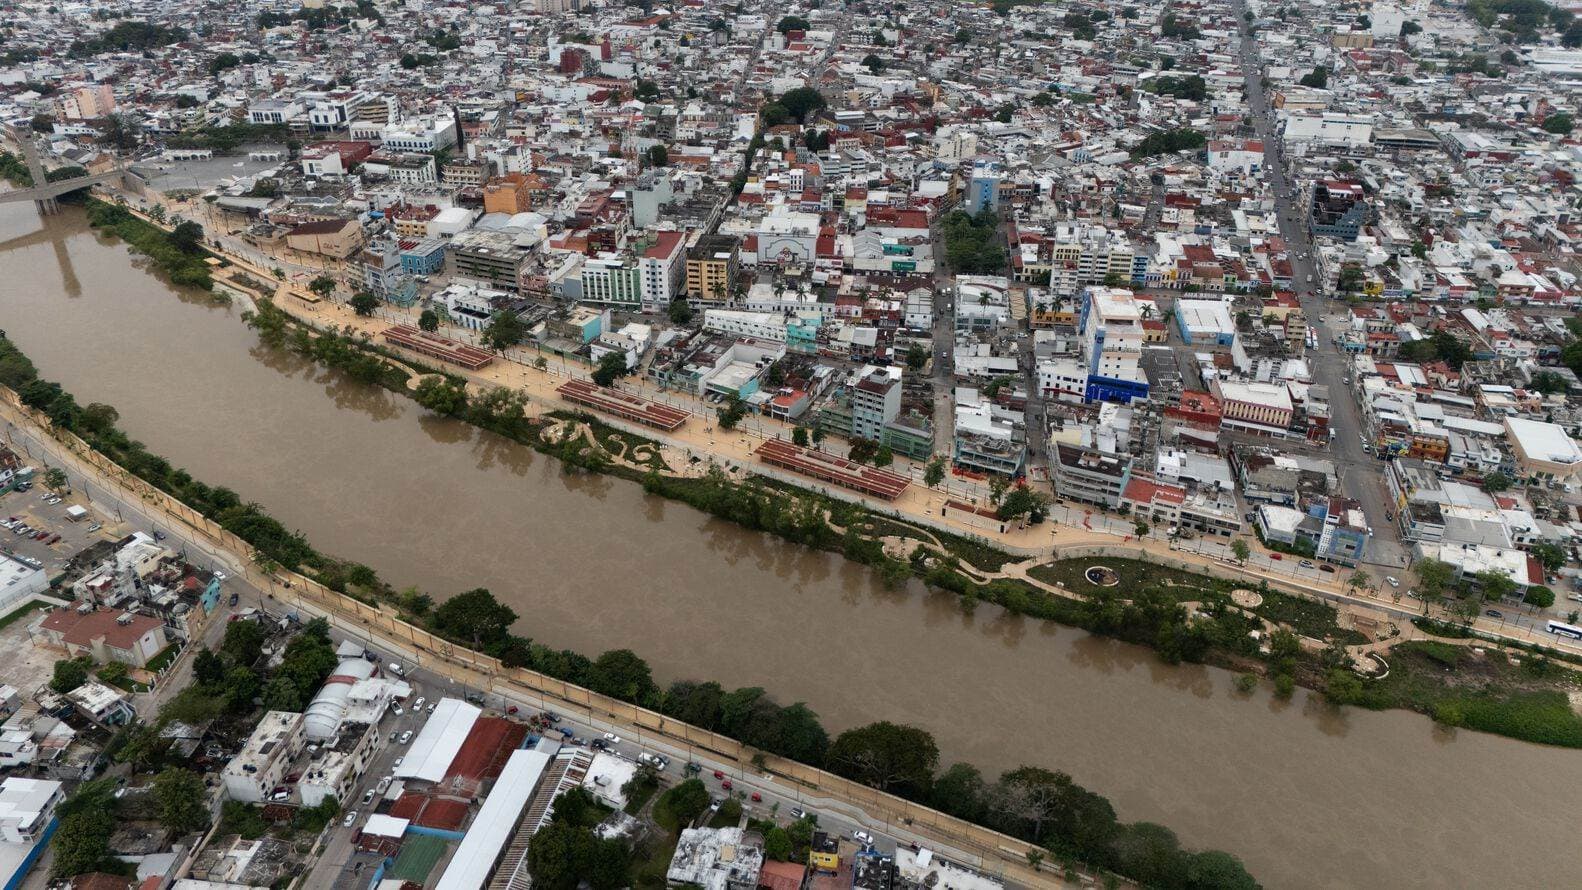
<point>438,741</point>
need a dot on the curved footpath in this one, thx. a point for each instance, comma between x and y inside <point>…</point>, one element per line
<point>919,505</point>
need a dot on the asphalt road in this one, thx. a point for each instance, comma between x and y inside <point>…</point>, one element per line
<point>778,798</point>
<point>1361,474</point>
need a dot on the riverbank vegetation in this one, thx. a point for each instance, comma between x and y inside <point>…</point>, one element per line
<point>899,759</point>
<point>1145,606</point>
<point>1522,696</point>
<point>178,253</point>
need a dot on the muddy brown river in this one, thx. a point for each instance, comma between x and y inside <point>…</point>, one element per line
<point>1306,795</point>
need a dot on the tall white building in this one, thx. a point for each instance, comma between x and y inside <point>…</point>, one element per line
<point>663,266</point>
<point>1111,330</point>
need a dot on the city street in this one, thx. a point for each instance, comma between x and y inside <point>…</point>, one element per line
<point>1361,474</point>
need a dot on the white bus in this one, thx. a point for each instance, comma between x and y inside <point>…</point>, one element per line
<point>1561,629</point>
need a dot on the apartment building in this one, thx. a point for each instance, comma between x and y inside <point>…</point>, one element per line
<point>1111,336</point>
<point>1261,408</point>
<point>265,759</point>
<point>661,261</point>
<point>875,401</point>
<point>712,266</point>
<point>612,280</point>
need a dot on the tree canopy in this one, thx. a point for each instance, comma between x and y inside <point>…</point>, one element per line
<point>474,615</point>
<point>888,756</point>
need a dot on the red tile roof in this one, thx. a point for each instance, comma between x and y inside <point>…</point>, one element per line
<point>82,630</point>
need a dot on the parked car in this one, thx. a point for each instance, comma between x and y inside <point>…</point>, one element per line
<point>418,705</point>
<point>1494,613</point>
<point>1274,556</point>
<point>612,738</point>
<point>281,793</point>
<point>406,737</point>
<point>798,813</point>
<point>368,797</point>
<point>601,745</point>
<point>862,837</point>
<point>757,798</point>
<point>1392,580</point>
<point>726,785</point>
<point>349,820</point>
<point>1307,564</point>
<point>1326,567</point>
<point>396,706</point>
<point>718,774</point>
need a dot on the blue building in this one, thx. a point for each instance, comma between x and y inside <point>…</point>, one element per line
<point>424,258</point>
<point>1344,536</point>
<point>1110,325</point>
<point>983,188</point>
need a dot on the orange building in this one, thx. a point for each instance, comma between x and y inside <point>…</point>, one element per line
<point>507,194</point>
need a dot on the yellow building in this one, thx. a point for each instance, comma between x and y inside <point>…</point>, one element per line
<point>712,265</point>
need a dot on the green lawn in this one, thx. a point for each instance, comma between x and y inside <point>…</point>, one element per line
<point>978,554</point>
<point>1133,574</point>
<point>878,526</point>
<point>1307,617</point>
<point>641,793</point>
<point>164,658</point>
<point>22,613</point>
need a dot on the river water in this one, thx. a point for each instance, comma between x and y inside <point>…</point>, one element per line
<point>1305,795</point>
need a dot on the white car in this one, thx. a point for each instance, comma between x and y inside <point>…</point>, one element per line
<point>350,818</point>
<point>612,738</point>
<point>1392,580</point>
<point>418,705</point>
<point>862,837</point>
<point>406,737</point>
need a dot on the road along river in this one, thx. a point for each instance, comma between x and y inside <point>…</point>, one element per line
<point>1308,796</point>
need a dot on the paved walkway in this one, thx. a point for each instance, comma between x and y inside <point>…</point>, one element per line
<point>918,506</point>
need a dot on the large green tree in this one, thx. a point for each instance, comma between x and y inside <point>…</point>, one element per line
<point>474,615</point>
<point>888,756</point>
<point>182,800</point>
<point>504,331</point>
<point>619,673</point>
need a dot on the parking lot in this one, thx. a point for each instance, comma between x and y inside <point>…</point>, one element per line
<point>32,513</point>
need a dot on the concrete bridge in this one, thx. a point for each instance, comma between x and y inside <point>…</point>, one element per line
<point>45,194</point>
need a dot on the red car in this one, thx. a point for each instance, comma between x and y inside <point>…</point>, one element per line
<point>726,784</point>
<point>718,774</point>
<point>757,798</point>
<point>1274,556</point>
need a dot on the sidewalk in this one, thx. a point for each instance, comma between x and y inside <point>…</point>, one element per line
<point>919,505</point>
